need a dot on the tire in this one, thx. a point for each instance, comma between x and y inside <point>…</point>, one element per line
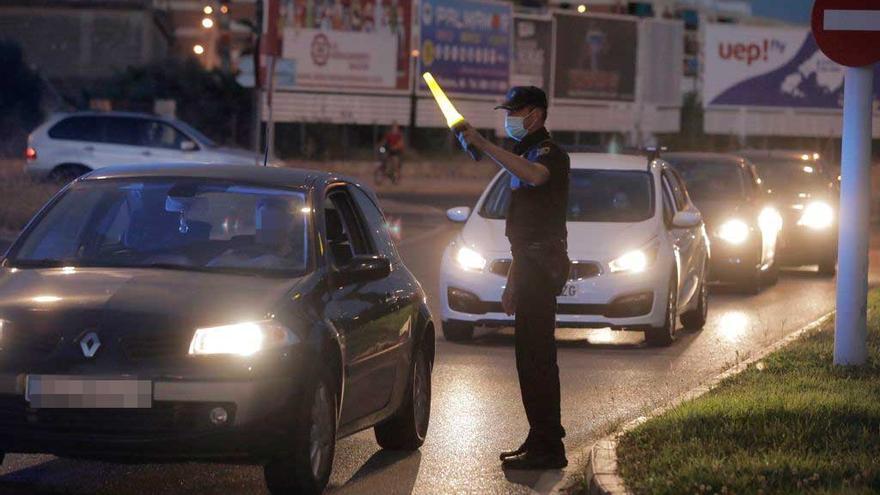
<point>406,430</point>
<point>828,267</point>
<point>663,336</point>
<point>695,319</point>
<point>305,468</point>
<point>458,331</point>
<point>63,174</point>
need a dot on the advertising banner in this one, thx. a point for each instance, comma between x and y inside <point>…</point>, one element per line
<point>361,44</point>
<point>466,45</point>
<point>769,67</point>
<point>532,52</point>
<point>595,58</point>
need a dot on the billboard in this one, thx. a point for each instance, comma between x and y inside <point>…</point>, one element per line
<point>769,67</point>
<point>595,58</point>
<point>465,44</point>
<point>532,52</point>
<point>360,44</point>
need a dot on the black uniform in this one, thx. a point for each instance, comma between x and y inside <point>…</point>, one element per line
<point>537,233</point>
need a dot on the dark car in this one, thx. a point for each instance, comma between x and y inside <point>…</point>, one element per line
<point>227,313</point>
<point>808,195</point>
<point>742,223</point>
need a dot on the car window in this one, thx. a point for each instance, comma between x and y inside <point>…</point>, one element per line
<point>790,175</point>
<point>158,134</point>
<point>712,181</point>
<point>377,225</point>
<point>668,201</point>
<point>594,196</point>
<point>345,232</point>
<point>77,129</point>
<point>677,189</point>
<point>123,130</point>
<point>190,224</point>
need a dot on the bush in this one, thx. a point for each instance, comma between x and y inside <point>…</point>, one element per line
<point>20,97</point>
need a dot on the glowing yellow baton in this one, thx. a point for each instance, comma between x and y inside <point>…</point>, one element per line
<point>454,120</point>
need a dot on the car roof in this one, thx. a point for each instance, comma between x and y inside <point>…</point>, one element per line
<point>695,156</point>
<point>253,174</point>
<point>608,161</point>
<point>111,113</point>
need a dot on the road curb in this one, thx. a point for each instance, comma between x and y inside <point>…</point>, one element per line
<point>601,457</point>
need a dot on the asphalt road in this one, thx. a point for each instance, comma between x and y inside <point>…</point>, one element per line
<point>607,378</point>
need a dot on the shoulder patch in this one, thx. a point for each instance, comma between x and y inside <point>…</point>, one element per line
<point>543,151</point>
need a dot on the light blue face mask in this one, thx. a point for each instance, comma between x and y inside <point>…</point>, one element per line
<point>515,126</point>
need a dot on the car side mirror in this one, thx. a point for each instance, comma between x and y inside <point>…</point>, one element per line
<point>459,214</point>
<point>363,268</point>
<point>687,219</point>
<point>188,146</point>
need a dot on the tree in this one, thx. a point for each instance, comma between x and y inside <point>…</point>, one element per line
<point>20,99</point>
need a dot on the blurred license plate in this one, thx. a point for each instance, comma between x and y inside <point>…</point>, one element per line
<point>570,290</point>
<point>76,392</point>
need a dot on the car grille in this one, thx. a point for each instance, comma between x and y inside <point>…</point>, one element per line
<point>155,345</point>
<point>27,342</point>
<point>579,269</point>
<point>161,418</point>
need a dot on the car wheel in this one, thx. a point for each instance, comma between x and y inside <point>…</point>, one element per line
<point>771,276</point>
<point>458,331</point>
<point>663,336</point>
<point>406,430</point>
<point>695,319</point>
<point>828,267</point>
<point>305,468</point>
<point>63,174</point>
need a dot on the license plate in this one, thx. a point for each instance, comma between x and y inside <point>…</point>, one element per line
<point>570,290</point>
<point>76,392</point>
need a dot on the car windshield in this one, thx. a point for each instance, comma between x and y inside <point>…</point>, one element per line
<point>711,181</point>
<point>789,175</point>
<point>188,224</point>
<point>192,131</point>
<point>594,196</point>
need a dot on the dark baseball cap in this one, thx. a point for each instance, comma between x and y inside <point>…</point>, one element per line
<point>523,96</point>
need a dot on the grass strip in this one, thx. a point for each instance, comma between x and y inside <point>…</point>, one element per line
<point>791,423</point>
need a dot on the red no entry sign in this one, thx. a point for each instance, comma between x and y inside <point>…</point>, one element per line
<point>848,31</point>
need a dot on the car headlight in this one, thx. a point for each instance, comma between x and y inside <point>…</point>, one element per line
<point>770,221</point>
<point>242,339</point>
<point>470,259</point>
<point>817,215</point>
<point>635,261</point>
<point>734,231</point>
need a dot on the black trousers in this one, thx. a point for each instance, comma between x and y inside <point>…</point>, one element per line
<point>536,349</point>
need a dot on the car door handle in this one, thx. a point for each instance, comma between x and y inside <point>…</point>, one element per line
<point>89,148</point>
<point>147,153</point>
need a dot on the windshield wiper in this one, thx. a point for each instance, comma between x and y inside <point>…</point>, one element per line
<point>40,263</point>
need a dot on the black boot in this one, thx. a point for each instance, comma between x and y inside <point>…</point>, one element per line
<point>537,459</point>
<point>519,450</point>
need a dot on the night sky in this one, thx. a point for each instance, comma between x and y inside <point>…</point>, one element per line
<point>789,10</point>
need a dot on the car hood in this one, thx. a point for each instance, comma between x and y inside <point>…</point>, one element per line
<point>122,298</point>
<point>586,240</point>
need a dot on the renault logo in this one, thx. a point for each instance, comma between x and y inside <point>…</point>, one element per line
<point>90,343</point>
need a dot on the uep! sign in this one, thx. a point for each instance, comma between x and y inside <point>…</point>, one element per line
<point>326,58</point>
<point>848,31</point>
<point>768,67</point>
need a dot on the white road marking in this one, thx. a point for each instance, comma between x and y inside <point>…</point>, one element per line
<point>852,20</point>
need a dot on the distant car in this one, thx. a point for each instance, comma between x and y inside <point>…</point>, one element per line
<point>69,145</point>
<point>212,313</point>
<point>638,248</point>
<point>742,222</point>
<point>808,194</point>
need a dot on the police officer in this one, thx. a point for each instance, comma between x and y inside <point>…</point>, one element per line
<point>539,172</point>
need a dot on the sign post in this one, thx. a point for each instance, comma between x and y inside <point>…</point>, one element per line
<point>848,32</point>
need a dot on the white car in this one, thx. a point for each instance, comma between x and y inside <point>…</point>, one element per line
<point>638,247</point>
<point>69,145</point>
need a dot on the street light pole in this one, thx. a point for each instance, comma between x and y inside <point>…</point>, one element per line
<point>850,333</point>
<point>413,98</point>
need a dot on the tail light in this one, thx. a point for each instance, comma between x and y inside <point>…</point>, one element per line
<point>30,154</point>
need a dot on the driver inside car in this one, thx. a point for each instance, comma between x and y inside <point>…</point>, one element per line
<point>273,244</point>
